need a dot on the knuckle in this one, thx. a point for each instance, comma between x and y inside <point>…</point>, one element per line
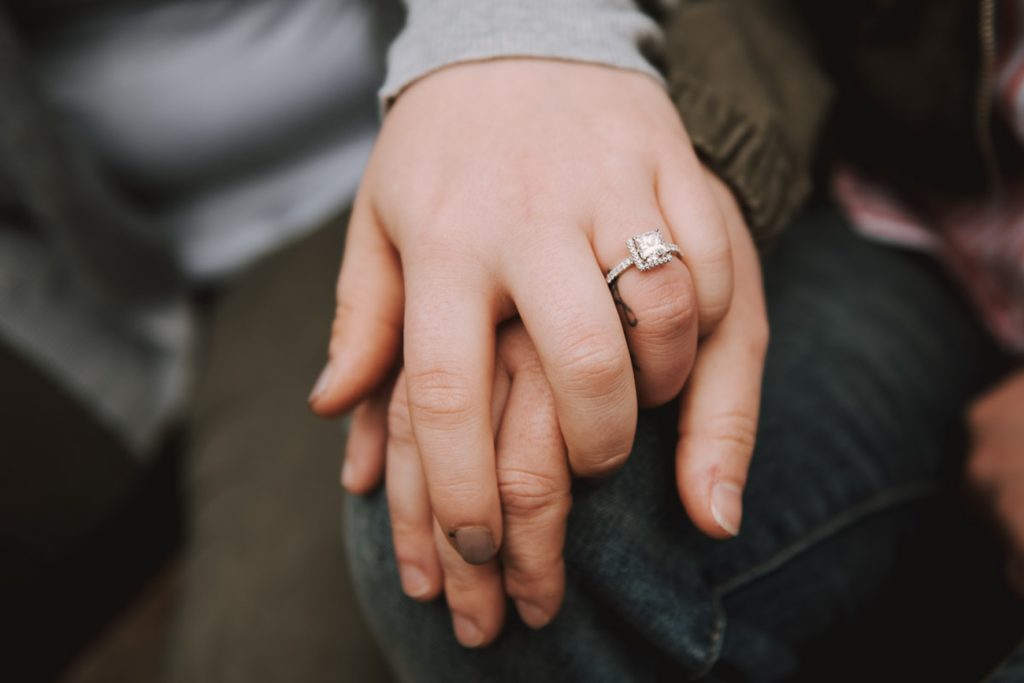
<point>526,493</point>
<point>440,243</point>
<point>442,240</point>
<point>440,396</point>
<point>737,428</point>
<point>669,305</point>
<point>593,365</point>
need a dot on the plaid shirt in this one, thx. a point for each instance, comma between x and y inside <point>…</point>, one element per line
<point>981,242</point>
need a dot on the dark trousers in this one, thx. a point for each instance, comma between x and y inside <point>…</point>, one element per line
<point>856,560</point>
<point>263,594</point>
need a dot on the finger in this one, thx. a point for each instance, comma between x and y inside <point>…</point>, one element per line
<point>474,594</point>
<point>657,305</point>
<point>533,478</point>
<point>412,523</point>
<point>449,363</point>
<point>698,226</point>
<point>568,312</point>
<point>367,438</point>
<point>367,323</point>
<point>719,410</point>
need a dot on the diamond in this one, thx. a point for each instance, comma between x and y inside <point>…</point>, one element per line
<point>649,249</point>
<point>646,250</point>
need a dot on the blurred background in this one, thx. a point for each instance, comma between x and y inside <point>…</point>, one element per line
<point>174,183</point>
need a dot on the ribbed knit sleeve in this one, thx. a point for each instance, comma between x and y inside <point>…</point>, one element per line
<point>439,33</point>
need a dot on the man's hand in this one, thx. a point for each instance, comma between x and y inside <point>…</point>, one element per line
<point>507,188</point>
<point>534,486</point>
<point>996,463</point>
<point>718,419</point>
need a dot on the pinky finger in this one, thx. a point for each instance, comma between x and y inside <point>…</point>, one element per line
<point>367,439</point>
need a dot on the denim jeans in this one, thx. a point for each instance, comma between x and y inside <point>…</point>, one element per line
<point>872,361</point>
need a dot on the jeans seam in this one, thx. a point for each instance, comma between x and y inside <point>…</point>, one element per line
<point>863,510</point>
<point>715,639</point>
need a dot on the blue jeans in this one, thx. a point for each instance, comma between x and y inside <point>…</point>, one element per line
<point>872,361</point>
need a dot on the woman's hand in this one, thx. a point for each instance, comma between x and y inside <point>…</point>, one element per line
<point>996,463</point>
<point>506,188</point>
<point>717,421</point>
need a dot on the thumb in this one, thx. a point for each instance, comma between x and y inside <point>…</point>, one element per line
<point>719,410</point>
<point>366,331</point>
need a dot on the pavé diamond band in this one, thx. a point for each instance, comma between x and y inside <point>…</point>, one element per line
<point>647,250</point>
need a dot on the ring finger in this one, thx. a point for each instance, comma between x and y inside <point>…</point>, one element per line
<point>655,297</point>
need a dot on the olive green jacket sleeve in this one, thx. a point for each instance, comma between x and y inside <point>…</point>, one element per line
<point>754,99</point>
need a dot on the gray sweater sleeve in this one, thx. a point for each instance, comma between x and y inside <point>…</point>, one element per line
<point>438,33</point>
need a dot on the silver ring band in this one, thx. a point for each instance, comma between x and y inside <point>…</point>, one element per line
<point>647,250</point>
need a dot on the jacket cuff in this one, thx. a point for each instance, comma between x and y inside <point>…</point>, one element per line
<point>439,33</point>
<point>751,156</point>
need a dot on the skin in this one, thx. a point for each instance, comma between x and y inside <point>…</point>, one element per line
<point>716,429</point>
<point>497,196</point>
<point>996,463</point>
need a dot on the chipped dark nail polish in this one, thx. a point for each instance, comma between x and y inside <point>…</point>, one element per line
<point>474,543</point>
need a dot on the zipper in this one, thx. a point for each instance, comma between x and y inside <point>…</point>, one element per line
<point>986,84</point>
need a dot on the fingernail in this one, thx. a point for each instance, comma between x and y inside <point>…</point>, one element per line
<point>467,632</point>
<point>321,383</point>
<point>474,543</point>
<point>347,474</point>
<point>727,506</point>
<point>533,615</point>
<point>414,582</point>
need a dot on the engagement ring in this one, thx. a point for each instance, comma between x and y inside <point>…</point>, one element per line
<point>647,250</point>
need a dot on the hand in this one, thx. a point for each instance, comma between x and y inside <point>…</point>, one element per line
<point>996,463</point>
<point>533,482</point>
<point>508,188</point>
<point>717,422</point>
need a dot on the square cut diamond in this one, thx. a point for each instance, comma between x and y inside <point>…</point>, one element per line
<point>649,250</point>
